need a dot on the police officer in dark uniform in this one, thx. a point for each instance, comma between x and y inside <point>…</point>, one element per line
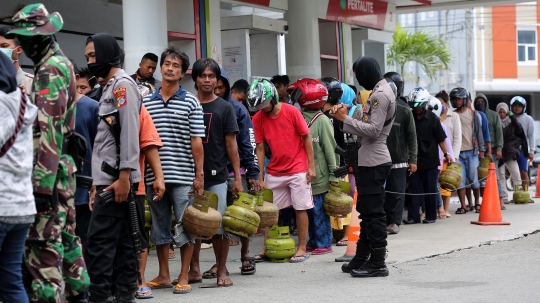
<point>374,164</point>
<point>115,168</point>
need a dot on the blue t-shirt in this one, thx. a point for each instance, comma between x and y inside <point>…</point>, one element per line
<point>86,122</point>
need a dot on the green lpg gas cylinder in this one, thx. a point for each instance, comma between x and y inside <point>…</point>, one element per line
<point>266,210</point>
<point>483,168</point>
<point>200,219</point>
<point>450,178</point>
<point>240,218</point>
<point>521,194</point>
<point>279,246</point>
<point>336,202</point>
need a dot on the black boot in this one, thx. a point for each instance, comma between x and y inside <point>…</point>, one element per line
<point>80,298</point>
<point>362,255</point>
<point>125,294</point>
<point>375,267</point>
<point>98,297</point>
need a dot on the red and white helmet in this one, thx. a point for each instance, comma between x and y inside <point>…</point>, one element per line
<point>309,93</point>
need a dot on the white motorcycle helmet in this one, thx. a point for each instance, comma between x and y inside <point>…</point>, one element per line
<point>435,106</point>
<point>419,97</point>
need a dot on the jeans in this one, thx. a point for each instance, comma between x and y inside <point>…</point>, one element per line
<point>221,191</point>
<point>499,177</point>
<point>12,239</point>
<point>176,196</point>
<point>469,173</point>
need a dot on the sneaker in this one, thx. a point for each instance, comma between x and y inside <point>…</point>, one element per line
<point>206,246</point>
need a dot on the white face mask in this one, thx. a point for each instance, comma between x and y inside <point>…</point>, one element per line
<point>8,52</point>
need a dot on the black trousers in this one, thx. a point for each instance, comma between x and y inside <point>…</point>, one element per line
<point>394,203</point>
<point>110,247</point>
<point>82,218</point>
<point>370,183</point>
<point>423,181</point>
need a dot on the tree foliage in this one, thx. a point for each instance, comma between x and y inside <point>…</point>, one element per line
<point>423,47</point>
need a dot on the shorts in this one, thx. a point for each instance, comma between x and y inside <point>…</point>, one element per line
<point>176,196</point>
<point>290,191</point>
<point>139,202</point>
<point>221,191</point>
<point>469,172</point>
<point>230,182</point>
<point>523,163</point>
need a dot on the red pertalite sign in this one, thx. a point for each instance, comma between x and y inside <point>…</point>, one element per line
<point>370,13</point>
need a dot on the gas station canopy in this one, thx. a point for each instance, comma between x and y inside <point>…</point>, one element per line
<point>413,6</point>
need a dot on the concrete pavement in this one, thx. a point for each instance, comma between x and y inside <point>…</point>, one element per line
<point>432,275</point>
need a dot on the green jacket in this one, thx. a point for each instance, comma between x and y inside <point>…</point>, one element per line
<point>401,141</point>
<point>494,125</point>
<point>324,145</point>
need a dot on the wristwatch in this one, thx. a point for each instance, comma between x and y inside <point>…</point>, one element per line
<point>445,154</point>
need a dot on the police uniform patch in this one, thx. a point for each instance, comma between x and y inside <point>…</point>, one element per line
<point>375,103</point>
<point>120,95</point>
<point>43,79</point>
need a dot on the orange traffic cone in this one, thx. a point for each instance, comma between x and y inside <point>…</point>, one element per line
<point>537,195</point>
<point>354,234</point>
<point>490,212</point>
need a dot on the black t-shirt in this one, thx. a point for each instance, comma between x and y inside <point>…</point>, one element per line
<point>429,134</point>
<point>219,120</point>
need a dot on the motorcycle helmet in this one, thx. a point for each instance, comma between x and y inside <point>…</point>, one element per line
<point>419,97</point>
<point>435,106</point>
<point>261,93</point>
<point>335,89</point>
<point>519,100</point>
<point>309,93</point>
<point>398,81</point>
<point>459,92</point>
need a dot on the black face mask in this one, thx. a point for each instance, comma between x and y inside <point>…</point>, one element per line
<point>99,69</point>
<point>108,54</point>
<point>35,47</point>
<point>480,106</point>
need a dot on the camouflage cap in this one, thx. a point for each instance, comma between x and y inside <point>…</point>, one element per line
<point>34,19</point>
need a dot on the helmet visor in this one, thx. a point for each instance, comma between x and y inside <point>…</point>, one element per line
<point>260,106</point>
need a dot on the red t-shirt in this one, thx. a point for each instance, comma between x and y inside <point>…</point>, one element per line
<point>283,134</point>
<point>148,135</point>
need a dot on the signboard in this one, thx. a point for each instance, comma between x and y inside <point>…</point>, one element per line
<point>371,13</point>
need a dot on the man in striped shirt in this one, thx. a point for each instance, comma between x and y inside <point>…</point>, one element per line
<point>178,117</point>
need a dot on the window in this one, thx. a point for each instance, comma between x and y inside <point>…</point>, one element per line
<point>526,46</point>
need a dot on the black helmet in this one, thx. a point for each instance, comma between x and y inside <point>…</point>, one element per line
<point>335,91</point>
<point>398,81</point>
<point>459,93</point>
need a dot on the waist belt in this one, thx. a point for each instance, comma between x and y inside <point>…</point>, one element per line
<point>400,165</point>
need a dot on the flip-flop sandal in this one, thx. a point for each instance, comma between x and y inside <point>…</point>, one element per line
<point>469,208</point>
<point>304,258</point>
<point>182,289</point>
<point>175,281</point>
<point>141,291</point>
<point>209,274</point>
<point>503,207</point>
<point>260,258</point>
<point>217,285</point>
<point>234,243</point>
<point>244,269</point>
<point>321,251</point>
<point>154,285</point>
<point>342,243</point>
<point>173,255</point>
<point>477,208</point>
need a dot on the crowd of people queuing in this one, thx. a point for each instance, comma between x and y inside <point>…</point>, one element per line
<point>60,239</point>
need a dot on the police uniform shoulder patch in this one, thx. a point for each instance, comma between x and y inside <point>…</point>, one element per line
<point>120,95</point>
<point>375,104</point>
<point>44,78</point>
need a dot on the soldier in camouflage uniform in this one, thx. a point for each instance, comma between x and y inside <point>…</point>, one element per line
<point>52,252</point>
